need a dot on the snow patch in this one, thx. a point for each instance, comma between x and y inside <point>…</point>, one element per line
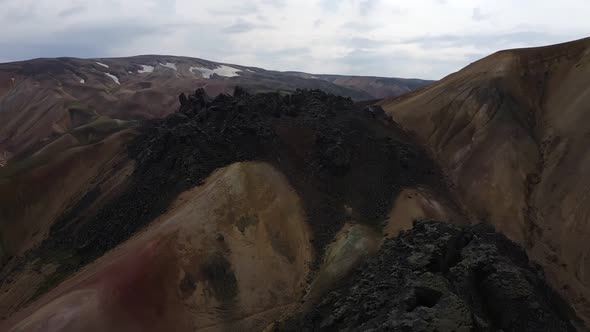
<point>222,70</point>
<point>102,64</point>
<point>82,81</point>
<point>113,77</point>
<point>169,65</point>
<point>146,69</point>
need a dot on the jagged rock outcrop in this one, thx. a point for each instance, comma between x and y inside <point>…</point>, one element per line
<point>441,277</point>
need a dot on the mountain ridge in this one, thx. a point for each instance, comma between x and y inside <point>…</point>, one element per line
<point>35,95</point>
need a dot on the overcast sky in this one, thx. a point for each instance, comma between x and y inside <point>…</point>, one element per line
<point>417,38</point>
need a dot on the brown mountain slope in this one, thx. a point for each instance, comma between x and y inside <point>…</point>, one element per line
<point>39,188</point>
<point>241,211</point>
<point>512,132</point>
<point>37,97</point>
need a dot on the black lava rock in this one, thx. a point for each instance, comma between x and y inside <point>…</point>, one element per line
<point>441,277</point>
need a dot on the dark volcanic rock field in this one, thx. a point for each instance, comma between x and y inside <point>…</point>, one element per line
<point>333,152</point>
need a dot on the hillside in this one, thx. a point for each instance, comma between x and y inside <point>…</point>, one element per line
<point>241,211</point>
<point>42,98</point>
<point>460,206</point>
<point>238,197</point>
<point>511,132</point>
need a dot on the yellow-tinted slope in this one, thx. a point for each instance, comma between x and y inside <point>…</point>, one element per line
<point>232,254</point>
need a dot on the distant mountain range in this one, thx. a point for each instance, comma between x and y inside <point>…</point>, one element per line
<point>42,98</point>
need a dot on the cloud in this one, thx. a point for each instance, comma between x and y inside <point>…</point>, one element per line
<point>275,3</point>
<point>14,13</point>
<point>79,42</point>
<point>71,11</point>
<point>399,60</point>
<point>358,26</point>
<point>240,27</point>
<point>238,9</point>
<point>367,6</point>
<point>478,15</point>
<point>421,38</point>
<point>296,52</point>
<point>363,43</point>
<point>330,5</point>
<point>243,26</point>
<point>494,41</point>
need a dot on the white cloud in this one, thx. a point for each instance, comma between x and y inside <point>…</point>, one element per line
<point>420,38</point>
